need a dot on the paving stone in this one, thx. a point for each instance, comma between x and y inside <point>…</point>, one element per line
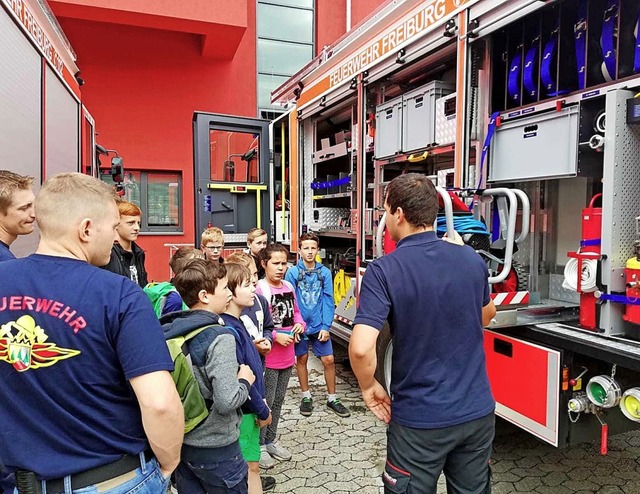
<point>556,489</point>
<point>578,485</point>
<point>528,484</point>
<point>502,488</point>
<point>554,479</point>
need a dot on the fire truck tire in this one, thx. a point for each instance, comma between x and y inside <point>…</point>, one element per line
<point>384,351</point>
<point>517,279</point>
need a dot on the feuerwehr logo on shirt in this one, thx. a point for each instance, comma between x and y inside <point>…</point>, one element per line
<point>22,344</point>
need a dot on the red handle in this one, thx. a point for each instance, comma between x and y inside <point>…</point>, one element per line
<point>604,438</point>
<point>593,199</point>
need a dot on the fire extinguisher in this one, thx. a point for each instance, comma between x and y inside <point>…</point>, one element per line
<point>632,277</point>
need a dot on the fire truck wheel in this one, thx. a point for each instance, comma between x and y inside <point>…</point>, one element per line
<point>517,280</point>
<point>384,351</point>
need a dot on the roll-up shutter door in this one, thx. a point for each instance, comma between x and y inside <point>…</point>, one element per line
<point>20,112</point>
<point>20,103</point>
<point>62,127</point>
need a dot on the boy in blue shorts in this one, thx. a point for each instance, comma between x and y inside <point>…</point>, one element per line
<point>314,293</point>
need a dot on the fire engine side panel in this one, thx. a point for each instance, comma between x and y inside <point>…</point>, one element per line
<point>62,127</point>
<point>525,381</point>
<point>20,99</point>
<point>20,114</point>
<point>620,204</point>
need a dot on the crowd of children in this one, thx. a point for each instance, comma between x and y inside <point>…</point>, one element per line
<point>261,315</point>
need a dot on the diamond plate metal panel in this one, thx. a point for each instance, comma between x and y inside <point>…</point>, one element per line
<point>620,205</point>
<point>558,292</point>
<point>445,124</point>
<point>327,218</point>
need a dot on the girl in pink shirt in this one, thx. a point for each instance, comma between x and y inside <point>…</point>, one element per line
<point>289,325</point>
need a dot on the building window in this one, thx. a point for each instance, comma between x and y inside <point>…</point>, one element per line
<point>159,196</point>
<point>285,44</point>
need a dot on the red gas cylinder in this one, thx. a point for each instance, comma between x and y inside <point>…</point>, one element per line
<point>591,227</point>
<point>590,243</point>
<point>632,275</point>
<point>388,244</point>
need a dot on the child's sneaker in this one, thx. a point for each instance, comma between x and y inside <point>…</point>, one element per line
<point>338,408</point>
<point>266,461</point>
<point>278,451</point>
<point>306,406</point>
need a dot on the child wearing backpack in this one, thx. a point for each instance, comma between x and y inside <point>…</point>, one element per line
<point>314,292</point>
<point>163,295</point>
<point>257,318</point>
<point>211,460</point>
<point>289,326</point>
<point>255,412</point>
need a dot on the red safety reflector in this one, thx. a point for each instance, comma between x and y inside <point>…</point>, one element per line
<point>565,378</point>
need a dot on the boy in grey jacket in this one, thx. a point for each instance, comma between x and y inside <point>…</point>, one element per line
<point>211,460</point>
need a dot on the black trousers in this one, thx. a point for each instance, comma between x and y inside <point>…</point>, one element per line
<point>417,457</point>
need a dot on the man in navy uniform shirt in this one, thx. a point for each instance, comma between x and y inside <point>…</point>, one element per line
<point>435,296</point>
<point>17,216</point>
<point>87,400</point>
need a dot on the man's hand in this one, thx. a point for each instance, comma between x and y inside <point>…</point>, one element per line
<point>265,422</point>
<point>283,339</point>
<point>323,335</point>
<point>246,373</point>
<point>378,401</point>
<point>263,346</point>
<point>457,239</point>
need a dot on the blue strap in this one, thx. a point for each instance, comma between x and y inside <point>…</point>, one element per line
<point>331,184</point>
<point>619,299</point>
<point>636,61</point>
<point>580,36</point>
<point>513,84</point>
<point>495,223</point>
<point>491,129</point>
<point>608,40</point>
<point>547,66</point>
<point>590,243</point>
<point>530,64</point>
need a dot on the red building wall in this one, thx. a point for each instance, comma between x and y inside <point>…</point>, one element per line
<point>149,64</point>
<point>142,87</point>
<point>331,18</point>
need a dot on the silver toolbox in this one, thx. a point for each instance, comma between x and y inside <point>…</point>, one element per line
<point>328,218</point>
<point>388,138</point>
<point>419,114</point>
<point>536,147</point>
<point>446,119</point>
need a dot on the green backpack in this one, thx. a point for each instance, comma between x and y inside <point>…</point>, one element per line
<point>196,408</point>
<point>158,293</point>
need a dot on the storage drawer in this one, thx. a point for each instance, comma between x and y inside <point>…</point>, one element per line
<point>525,381</point>
<point>388,138</point>
<point>419,115</point>
<point>537,147</point>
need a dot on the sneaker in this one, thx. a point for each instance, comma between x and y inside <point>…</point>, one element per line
<point>278,451</point>
<point>268,483</point>
<point>339,408</point>
<point>266,461</point>
<point>306,406</point>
